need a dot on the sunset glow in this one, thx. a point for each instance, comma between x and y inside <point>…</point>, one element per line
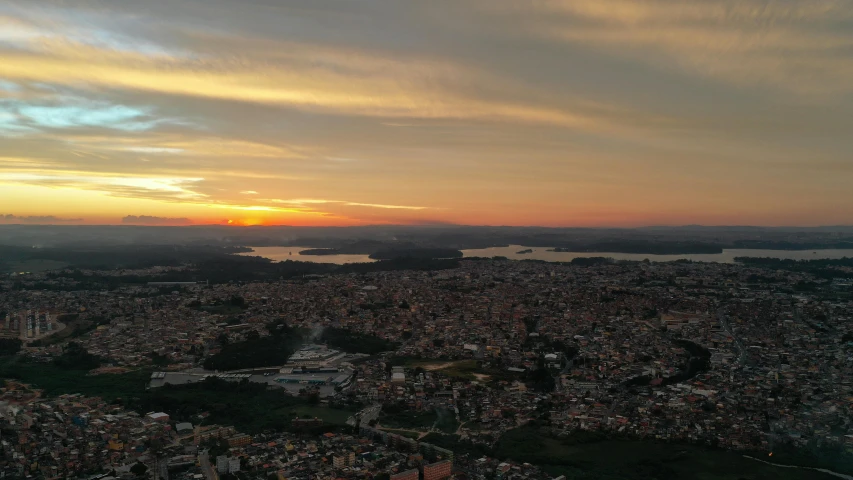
<point>498,112</point>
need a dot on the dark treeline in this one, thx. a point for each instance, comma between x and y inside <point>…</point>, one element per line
<point>10,346</point>
<point>591,261</point>
<point>251,407</point>
<point>215,267</point>
<point>820,267</point>
<point>354,342</point>
<point>784,245</point>
<point>786,264</point>
<point>76,357</point>
<point>117,257</point>
<point>256,351</point>
<point>641,246</point>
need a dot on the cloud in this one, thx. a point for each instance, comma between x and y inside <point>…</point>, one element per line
<point>798,47</point>
<point>150,220</point>
<point>310,201</point>
<point>379,205</point>
<point>248,192</point>
<point>37,219</point>
<point>161,188</point>
<point>484,110</point>
<point>41,109</point>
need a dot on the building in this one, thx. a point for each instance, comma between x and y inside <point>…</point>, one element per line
<point>222,464</point>
<point>412,474</point>
<point>239,440</point>
<point>183,428</point>
<point>233,464</point>
<point>438,470</point>
<point>158,417</point>
<point>342,460</point>
<point>306,422</point>
<point>397,375</point>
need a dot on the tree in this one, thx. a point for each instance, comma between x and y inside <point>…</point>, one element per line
<point>138,469</point>
<point>76,357</point>
<point>10,346</point>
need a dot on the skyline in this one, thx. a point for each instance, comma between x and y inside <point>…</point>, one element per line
<point>599,113</point>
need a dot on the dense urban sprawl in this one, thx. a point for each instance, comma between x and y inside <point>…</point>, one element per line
<point>727,355</point>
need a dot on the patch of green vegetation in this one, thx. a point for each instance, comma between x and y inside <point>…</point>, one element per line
<point>354,342</point>
<point>75,357</point>
<point>55,380</point>
<point>249,407</point>
<point>10,346</point>
<point>159,360</point>
<point>396,417</point>
<point>331,416</point>
<point>589,456</point>
<point>256,351</point>
<point>446,421</point>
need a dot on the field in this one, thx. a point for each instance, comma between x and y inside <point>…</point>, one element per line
<point>462,369</point>
<point>408,419</point>
<point>328,415</point>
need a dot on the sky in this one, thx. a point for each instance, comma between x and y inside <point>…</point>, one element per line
<point>478,112</point>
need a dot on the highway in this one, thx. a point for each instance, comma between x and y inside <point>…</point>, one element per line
<point>724,321</point>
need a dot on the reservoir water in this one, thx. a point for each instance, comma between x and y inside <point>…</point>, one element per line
<point>280,254</point>
<point>542,253</point>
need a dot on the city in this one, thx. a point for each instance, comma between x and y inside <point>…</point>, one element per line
<point>730,356</point>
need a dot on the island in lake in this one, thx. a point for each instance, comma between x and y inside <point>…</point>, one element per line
<point>321,251</point>
<point>524,252</point>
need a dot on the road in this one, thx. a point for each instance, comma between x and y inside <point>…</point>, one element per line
<point>367,415</point>
<point>724,321</point>
<point>206,468</point>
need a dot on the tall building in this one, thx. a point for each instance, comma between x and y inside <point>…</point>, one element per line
<point>412,474</point>
<point>438,470</point>
<point>233,464</point>
<point>222,464</point>
<point>345,459</point>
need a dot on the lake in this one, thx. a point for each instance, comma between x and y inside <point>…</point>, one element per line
<point>280,254</point>
<point>542,253</point>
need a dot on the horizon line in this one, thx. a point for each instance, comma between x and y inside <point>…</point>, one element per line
<point>449,225</point>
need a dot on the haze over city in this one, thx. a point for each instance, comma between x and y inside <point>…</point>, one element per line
<point>484,112</point>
